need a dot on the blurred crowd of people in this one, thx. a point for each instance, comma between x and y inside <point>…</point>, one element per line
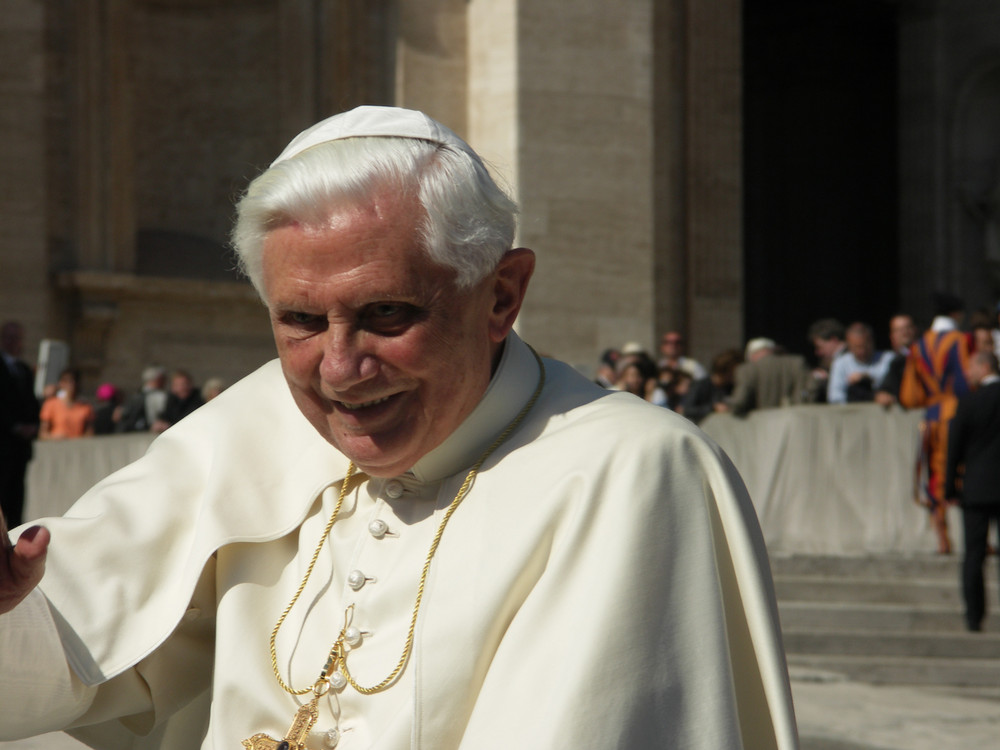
<point>931,369</point>
<point>163,399</point>
<point>154,406</point>
<point>763,374</point>
<point>64,412</point>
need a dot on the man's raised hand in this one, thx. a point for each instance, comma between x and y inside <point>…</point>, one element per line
<point>21,565</point>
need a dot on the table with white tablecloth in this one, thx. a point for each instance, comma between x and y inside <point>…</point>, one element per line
<point>62,470</point>
<point>832,479</point>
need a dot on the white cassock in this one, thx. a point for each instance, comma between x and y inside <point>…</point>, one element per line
<point>604,584</point>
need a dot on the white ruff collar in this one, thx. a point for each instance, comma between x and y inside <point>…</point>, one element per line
<point>511,387</point>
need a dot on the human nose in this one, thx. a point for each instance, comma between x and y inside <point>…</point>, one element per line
<point>347,359</point>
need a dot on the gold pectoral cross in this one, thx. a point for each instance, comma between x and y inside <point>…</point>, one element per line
<point>295,738</point>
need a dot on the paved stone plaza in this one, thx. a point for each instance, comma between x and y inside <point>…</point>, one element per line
<point>844,715</point>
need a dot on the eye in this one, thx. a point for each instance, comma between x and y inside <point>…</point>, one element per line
<point>385,310</point>
<point>389,318</point>
<point>302,321</point>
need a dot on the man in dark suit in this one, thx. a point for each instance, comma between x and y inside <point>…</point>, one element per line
<point>902,334</point>
<point>18,421</point>
<point>974,440</point>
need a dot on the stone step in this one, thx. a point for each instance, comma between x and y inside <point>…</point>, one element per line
<point>896,670</point>
<point>943,568</point>
<point>886,620</point>
<point>913,592</point>
<point>797,615</point>
<point>874,643</point>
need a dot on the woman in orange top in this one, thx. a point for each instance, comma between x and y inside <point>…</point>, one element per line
<point>64,415</point>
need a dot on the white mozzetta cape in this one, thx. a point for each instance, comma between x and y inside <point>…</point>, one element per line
<point>603,585</point>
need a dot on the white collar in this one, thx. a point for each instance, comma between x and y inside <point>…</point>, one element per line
<point>512,385</point>
<point>989,379</point>
<point>943,323</point>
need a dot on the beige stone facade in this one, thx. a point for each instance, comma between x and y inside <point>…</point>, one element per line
<point>129,126</point>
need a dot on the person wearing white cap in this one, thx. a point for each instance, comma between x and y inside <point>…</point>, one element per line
<point>410,530</point>
<point>769,379</point>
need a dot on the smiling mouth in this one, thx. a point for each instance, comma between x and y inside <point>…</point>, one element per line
<point>363,404</point>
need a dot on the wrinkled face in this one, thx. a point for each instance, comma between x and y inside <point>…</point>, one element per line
<point>383,354</point>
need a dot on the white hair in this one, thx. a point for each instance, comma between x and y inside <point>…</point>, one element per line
<point>469,221</point>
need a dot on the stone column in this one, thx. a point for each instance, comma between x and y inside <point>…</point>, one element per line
<point>299,72</point>
<point>431,59</point>
<point>619,128</point>
<point>713,181</point>
<point>670,159</point>
<point>699,192</point>
<point>583,169</point>
<point>23,211</point>
<point>493,111</point>
<point>357,54</point>
<point>104,189</point>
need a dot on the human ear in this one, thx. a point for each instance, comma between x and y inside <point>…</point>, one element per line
<point>510,283</point>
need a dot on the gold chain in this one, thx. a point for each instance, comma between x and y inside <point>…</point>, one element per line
<point>338,654</point>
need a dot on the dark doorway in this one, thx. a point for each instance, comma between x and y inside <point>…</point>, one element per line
<point>819,165</point>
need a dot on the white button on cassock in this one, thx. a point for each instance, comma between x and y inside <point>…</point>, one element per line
<point>394,489</point>
<point>378,528</point>
<point>352,636</point>
<point>356,579</point>
<point>338,681</point>
<point>330,738</point>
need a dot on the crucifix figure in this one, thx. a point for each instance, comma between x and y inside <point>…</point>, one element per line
<point>295,738</point>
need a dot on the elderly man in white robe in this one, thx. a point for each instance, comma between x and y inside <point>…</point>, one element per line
<point>409,531</point>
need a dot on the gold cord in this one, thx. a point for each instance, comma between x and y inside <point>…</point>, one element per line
<point>337,656</point>
<point>312,563</point>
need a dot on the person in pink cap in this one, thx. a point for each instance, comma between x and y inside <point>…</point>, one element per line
<point>107,410</point>
<point>409,530</point>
